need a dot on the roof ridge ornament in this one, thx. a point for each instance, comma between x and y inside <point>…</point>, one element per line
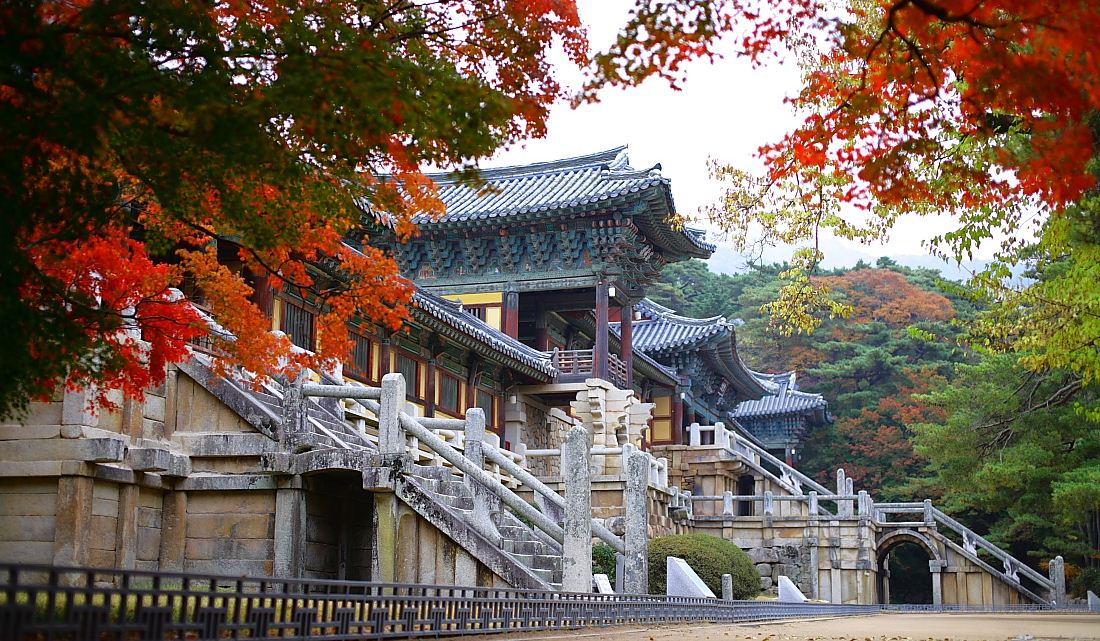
<point>622,159</point>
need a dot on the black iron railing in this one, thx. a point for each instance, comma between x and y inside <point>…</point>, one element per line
<point>81,604</point>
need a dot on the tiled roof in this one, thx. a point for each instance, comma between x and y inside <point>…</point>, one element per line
<point>662,330</point>
<point>662,333</point>
<point>543,190</point>
<point>787,401</point>
<point>428,307</point>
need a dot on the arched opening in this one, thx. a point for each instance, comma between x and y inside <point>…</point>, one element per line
<point>904,575</point>
<point>746,486</point>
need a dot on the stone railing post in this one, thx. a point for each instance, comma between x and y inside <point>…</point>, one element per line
<point>695,436</point>
<point>727,503</point>
<point>864,503</point>
<point>813,503</point>
<point>721,436</point>
<point>1057,572</point>
<point>843,508</point>
<point>662,472</point>
<point>294,409</point>
<point>769,503</point>
<point>727,587</point>
<point>391,439</point>
<point>485,503</point>
<point>636,538</point>
<point>577,547</point>
<point>929,516</point>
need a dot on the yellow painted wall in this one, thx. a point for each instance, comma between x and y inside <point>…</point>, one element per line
<point>493,317</point>
<point>662,430</point>
<point>492,314</point>
<point>477,299</point>
<point>664,406</point>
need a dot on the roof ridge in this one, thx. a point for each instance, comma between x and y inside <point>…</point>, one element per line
<point>616,159</point>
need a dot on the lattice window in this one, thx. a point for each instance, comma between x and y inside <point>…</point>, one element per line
<point>360,365</point>
<point>299,324</point>
<point>410,367</point>
<point>448,393</point>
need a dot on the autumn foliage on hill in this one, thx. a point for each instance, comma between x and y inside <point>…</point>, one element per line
<point>225,147</point>
<point>872,367</point>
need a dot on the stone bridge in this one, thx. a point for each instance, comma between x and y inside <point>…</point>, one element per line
<point>835,543</point>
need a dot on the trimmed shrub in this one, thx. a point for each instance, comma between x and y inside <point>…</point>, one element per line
<point>603,560</point>
<point>710,557</point>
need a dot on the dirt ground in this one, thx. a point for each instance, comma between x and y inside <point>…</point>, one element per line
<point>881,627</point>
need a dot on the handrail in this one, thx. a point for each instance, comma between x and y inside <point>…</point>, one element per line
<point>414,426</point>
<point>997,552</point>
<point>525,477</point>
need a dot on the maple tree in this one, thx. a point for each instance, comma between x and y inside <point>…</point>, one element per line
<point>231,147</point>
<point>982,110</point>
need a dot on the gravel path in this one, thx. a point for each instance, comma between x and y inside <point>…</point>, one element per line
<point>881,627</point>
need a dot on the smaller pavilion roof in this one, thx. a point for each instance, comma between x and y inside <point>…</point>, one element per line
<point>662,333</point>
<point>447,317</point>
<point>786,402</point>
<point>663,330</point>
<point>784,398</point>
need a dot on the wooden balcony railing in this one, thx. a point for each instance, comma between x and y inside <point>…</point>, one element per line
<point>578,364</point>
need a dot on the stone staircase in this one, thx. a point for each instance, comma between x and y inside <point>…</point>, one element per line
<point>527,556</point>
<point>540,554</point>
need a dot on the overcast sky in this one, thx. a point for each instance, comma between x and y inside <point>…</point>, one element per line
<point>725,110</point>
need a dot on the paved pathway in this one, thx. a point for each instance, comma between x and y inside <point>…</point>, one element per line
<point>881,627</point>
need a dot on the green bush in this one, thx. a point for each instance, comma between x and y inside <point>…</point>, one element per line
<point>603,560</point>
<point>710,557</point>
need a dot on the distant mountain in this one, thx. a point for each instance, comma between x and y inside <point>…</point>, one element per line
<point>728,260</point>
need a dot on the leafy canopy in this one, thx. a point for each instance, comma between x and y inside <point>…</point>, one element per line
<point>219,146</point>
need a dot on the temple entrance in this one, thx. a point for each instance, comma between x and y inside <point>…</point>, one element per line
<point>903,573</point>
<point>746,486</point>
<point>338,536</point>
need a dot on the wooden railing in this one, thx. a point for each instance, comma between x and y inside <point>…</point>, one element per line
<point>575,364</point>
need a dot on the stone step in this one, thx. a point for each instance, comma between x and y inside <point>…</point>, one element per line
<point>463,503</point>
<point>525,546</point>
<point>435,473</point>
<point>545,575</point>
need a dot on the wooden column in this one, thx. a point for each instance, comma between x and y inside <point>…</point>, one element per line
<point>626,338</point>
<point>599,350</point>
<point>263,294</point>
<point>384,366</point>
<point>429,393</point>
<point>511,313</point>
<point>542,330</point>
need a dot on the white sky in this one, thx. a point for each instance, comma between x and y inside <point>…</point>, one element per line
<point>726,110</point>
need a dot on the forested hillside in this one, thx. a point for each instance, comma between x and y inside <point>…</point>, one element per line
<point>920,412</point>
<point>897,342</point>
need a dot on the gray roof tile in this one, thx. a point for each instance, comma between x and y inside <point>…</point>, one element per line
<point>450,313</point>
<point>545,189</point>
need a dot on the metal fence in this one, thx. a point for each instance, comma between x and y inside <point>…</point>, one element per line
<point>79,604</point>
<point>47,603</point>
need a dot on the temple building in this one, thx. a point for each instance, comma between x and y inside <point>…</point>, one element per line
<point>557,256</point>
<point>781,419</point>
